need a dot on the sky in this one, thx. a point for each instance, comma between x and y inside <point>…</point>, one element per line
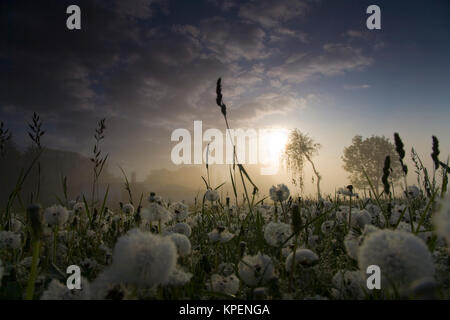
<point>150,67</point>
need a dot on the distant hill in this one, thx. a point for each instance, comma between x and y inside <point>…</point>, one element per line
<point>182,183</point>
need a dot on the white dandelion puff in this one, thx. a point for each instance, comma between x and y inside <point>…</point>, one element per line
<point>279,193</point>
<point>16,225</point>
<point>211,195</point>
<point>360,218</point>
<point>178,277</point>
<point>226,268</point>
<point>141,258</point>
<point>9,240</point>
<point>182,242</point>
<point>256,270</point>
<point>327,226</point>
<point>58,291</point>
<point>79,207</point>
<point>412,191</point>
<point>441,220</point>
<point>403,258</point>
<point>182,228</point>
<point>277,234</point>
<point>304,257</point>
<point>155,212</point>
<point>220,235</point>
<point>128,209</point>
<point>56,215</point>
<point>224,284</point>
<point>179,210</point>
<point>348,285</point>
<point>353,241</point>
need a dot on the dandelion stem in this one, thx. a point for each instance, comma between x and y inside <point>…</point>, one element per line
<point>36,245</point>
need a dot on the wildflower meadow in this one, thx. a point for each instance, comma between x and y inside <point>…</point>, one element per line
<point>251,245</point>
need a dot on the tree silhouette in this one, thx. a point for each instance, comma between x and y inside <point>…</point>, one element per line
<point>301,148</point>
<point>369,155</point>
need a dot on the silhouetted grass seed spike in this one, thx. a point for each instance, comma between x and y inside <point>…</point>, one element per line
<point>386,171</point>
<point>219,98</point>
<point>399,147</point>
<point>436,152</point>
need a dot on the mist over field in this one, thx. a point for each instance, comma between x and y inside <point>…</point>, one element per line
<point>222,150</point>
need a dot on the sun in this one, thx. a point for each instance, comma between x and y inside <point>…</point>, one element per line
<point>276,140</point>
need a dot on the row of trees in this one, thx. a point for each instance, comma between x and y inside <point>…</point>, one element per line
<point>363,157</point>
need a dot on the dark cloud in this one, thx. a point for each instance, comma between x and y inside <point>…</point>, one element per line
<point>233,40</point>
<point>150,69</point>
<point>270,13</point>
<point>335,58</point>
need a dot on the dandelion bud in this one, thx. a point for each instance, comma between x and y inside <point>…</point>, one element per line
<point>259,293</point>
<point>74,222</point>
<point>95,215</point>
<point>137,216</point>
<point>154,198</point>
<point>204,264</point>
<point>296,219</point>
<point>242,246</point>
<point>116,293</point>
<point>35,218</point>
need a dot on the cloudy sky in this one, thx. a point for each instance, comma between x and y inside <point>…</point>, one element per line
<point>150,67</point>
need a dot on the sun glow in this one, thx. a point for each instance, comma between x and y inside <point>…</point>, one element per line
<point>276,140</point>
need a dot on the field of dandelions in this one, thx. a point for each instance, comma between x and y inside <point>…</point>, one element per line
<point>280,246</point>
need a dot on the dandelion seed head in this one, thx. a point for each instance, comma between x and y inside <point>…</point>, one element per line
<point>256,270</point>
<point>226,268</point>
<point>154,198</point>
<point>402,256</point>
<point>71,204</point>
<point>178,277</point>
<point>327,226</point>
<point>179,210</point>
<point>182,243</point>
<point>304,257</point>
<point>155,212</point>
<point>220,235</point>
<point>347,192</point>
<point>211,195</point>
<point>279,193</point>
<point>441,220</point>
<point>224,284</point>
<point>128,208</point>
<point>56,215</point>
<point>58,291</point>
<point>413,191</point>
<point>16,225</point>
<point>142,258</point>
<point>360,218</point>
<point>10,240</point>
<point>79,207</point>
<point>277,234</point>
<point>348,285</point>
